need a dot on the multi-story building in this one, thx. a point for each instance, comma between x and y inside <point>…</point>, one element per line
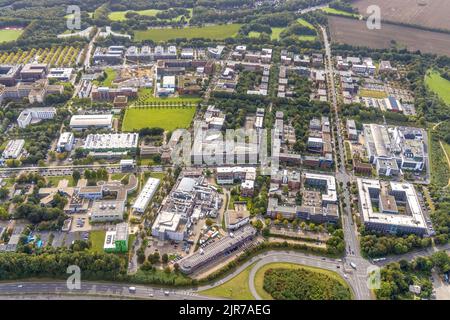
<point>65,142</point>
<point>390,207</point>
<point>13,149</point>
<point>34,115</point>
<point>146,195</point>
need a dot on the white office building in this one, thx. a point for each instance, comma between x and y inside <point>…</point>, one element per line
<point>65,142</point>
<point>146,195</point>
<point>34,115</point>
<point>390,207</point>
<point>13,149</point>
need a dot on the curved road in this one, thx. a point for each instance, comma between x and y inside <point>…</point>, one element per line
<point>322,263</point>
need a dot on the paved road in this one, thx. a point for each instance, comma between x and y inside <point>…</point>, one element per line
<point>96,289</point>
<point>312,261</point>
<point>353,252</point>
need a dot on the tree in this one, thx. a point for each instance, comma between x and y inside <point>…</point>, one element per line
<point>165,258</point>
<point>209,222</point>
<point>3,214</point>
<point>258,225</point>
<point>4,192</point>
<point>76,175</point>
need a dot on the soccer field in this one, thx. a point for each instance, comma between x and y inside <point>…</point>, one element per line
<point>217,32</point>
<point>10,34</point>
<point>168,118</point>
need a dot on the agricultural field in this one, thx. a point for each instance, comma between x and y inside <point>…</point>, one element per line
<point>55,56</point>
<point>435,14</point>
<point>168,118</point>
<point>438,85</point>
<point>120,15</point>
<point>216,32</point>
<point>339,12</point>
<point>7,35</point>
<point>355,32</point>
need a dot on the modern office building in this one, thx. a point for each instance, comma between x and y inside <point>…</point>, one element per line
<point>34,115</point>
<point>65,142</point>
<point>107,210</point>
<point>13,149</point>
<point>146,195</point>
<point>116,240</point>
<point>390,207</point>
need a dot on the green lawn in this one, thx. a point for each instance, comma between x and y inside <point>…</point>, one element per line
<point>111,74</point>
<point>275,35</point>
<point>216,32</point>
<point>146,98</point>
<point>372,94</point>
<point>9,35</point>
<point>97,238</point>
<point>305,23</point>
<point>55,180</point>
<point>339,12</point>
<point>168,118</point>
<point>259,276</point>
<point>438,85</point>
<point>236,288</point>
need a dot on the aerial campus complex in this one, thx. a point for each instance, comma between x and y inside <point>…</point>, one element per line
<point>191,149</point>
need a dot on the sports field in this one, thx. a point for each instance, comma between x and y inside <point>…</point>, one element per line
<point>216,32</point>
<point>7,35</point>
<point>168,118</point>
<point>438,85</point>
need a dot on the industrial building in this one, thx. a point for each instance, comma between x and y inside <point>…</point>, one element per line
<point>394,148</point>
<point>13,149</point>
<point>81,122</point>
<point>146,195</point>
<point>390,207</point>
<point>112,142</point>
<point>189,197</point>
<point>219,249</point>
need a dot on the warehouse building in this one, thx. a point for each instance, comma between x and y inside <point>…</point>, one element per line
<point>81,122</point>
<point>390,207</point>
<point>115,142</point>
<point>146,195</point>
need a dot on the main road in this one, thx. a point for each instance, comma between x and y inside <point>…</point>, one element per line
<point>350,232</point>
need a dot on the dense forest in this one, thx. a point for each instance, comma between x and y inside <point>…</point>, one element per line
<point>302,284</point>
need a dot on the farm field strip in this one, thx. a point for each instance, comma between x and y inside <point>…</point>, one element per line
<point>435,14</point>
<point>356,33</point>
<point>55,56</point>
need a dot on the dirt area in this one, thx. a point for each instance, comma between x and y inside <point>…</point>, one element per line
<point>356,33</point>
<point>310,244</point>
<point>434,14</point>
<point>442,288</point>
